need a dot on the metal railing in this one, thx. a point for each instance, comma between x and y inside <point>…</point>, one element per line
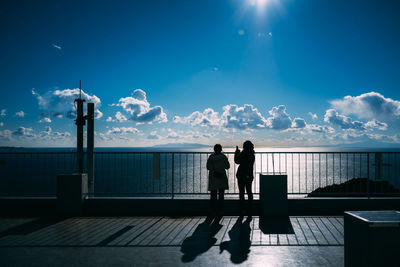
<point>185,174</point>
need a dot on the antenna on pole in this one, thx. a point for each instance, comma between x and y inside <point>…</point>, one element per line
<point>80,89</point>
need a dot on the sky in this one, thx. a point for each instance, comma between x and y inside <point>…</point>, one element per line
<point>278,72</point>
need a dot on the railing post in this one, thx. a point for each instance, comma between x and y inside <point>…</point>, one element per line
<point>378,165</point>
<point>172,176</point>
<point>368,179</point>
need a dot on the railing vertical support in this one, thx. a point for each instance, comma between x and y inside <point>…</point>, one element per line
<point>172,175</point>
<point>378,165</point>
<point>368,189</point>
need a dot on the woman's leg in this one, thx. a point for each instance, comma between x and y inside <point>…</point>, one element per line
<point>249,191</point>
<point>241,189</point>
<point>221,199</point>
<point>249,195</point>
<point>213,200</point>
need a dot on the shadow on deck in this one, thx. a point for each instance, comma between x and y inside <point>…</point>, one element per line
<point>171,241</point>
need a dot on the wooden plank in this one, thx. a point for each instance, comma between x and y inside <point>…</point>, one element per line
<point>191,231</point>
<point>181,223</point>
<point>301,238</point>
<point>121,228</point>
<point>82,231</point>
<point>256,232</point>
<point>283,240</point>
<point>68,230</point>
<point>178,239</point>
<point>134,222</point>
<point>93,232</point>
<point>219,236</point>
<point>340,220</point>
<point>105,232</point>
<point>316,231</point>
<point>292,239</point>
<point>43,236</point>
<point>307,231</point>
<point>337,224</point>
<point>141,226</point>
<point>333,230</point>
<point>265,239</point>
<point>147,231</point>
<point>273,239</point>
<point>225,237</point>
<point>159,234</point>
<point>325,231</point>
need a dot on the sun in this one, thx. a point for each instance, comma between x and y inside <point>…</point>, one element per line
<point>259,3</point>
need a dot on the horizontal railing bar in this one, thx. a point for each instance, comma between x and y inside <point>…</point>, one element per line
<point>201,152</point>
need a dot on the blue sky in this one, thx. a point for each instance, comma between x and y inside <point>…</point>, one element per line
<point>278,72</point>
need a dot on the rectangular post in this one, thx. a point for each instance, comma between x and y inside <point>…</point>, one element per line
<point>90,147</point>
<point>79,134</point>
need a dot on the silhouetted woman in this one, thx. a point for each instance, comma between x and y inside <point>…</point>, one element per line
<point>244,174</point>
<point>217,163</point>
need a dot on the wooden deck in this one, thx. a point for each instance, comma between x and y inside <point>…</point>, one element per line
<point>165,231</point>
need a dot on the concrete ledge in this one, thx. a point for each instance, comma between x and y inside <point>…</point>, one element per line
<point>130,206</point>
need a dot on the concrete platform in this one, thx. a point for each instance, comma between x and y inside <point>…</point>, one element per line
<point>172,241</point>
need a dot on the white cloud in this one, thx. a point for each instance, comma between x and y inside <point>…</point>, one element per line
<point>172,134</point>
<point>270,34</point>
<point>333,117</point>
<point>320,128</point>
<point>60,103</point>
<point>23,132</point>
<point>122,130</point>
<point>120,117</point>
<point>242,118</point>
<point>206,118</point>
<point>153,135</point>
<point>313,116</point>
<point>139,108</point>
<point>5,135</point>
<point>280,120</point>
<point>1,124</point>
<point>45,119</point>
<point>3,112</point>
<point>57,46</point>
<point>352,137</point>
<point>368,105</point>
<point>241,32</point>
<point>375,124</point>
<point>49,134</point>
<point>246,117</point>
<point>298,123</point>
<point>20,114</point>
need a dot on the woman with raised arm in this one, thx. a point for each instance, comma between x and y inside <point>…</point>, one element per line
<point>217,163</point>
<point>244,174</point>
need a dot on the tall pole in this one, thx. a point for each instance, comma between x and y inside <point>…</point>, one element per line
<point>80,121</point>
<point>90,146</point>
